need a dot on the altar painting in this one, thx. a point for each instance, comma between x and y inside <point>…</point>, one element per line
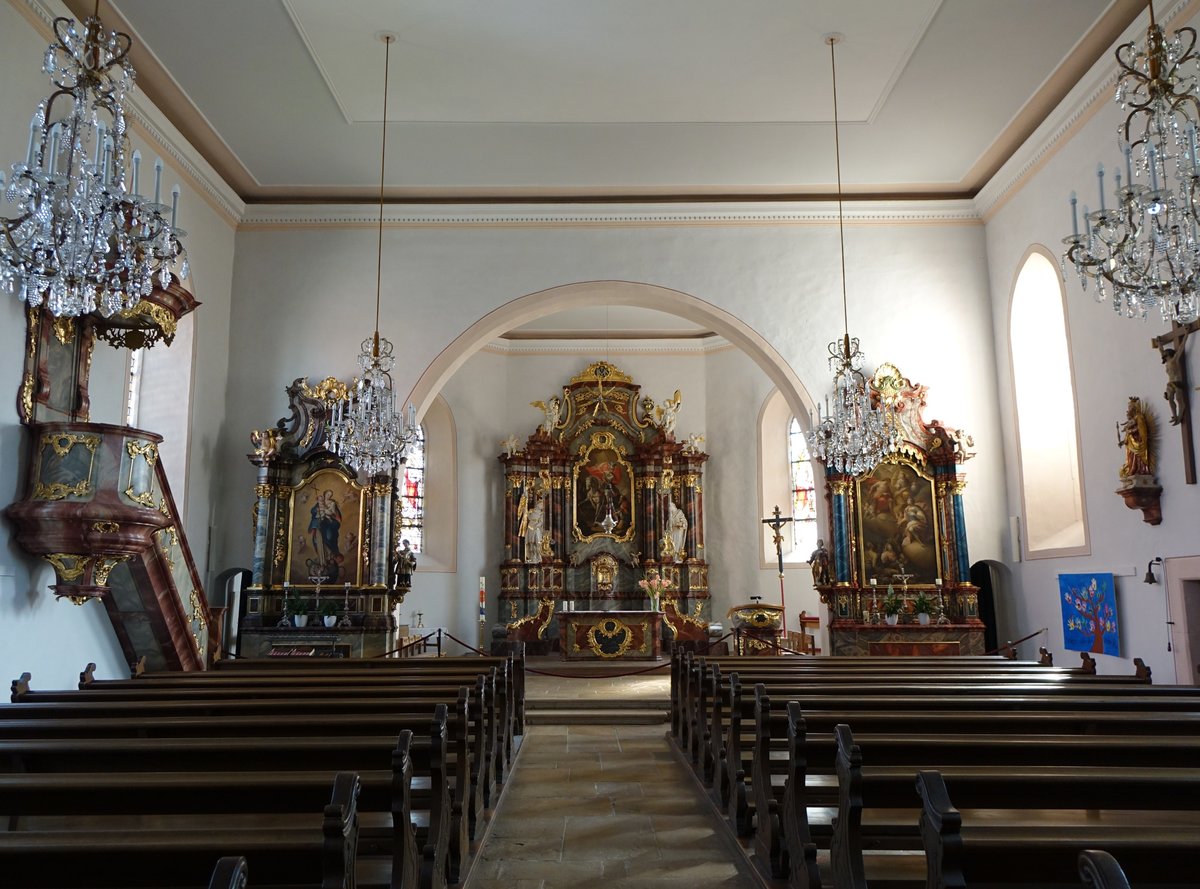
<point>603,486</point>
<point>897,525</point>
<point>1089,610</point>
<point>325,536</point>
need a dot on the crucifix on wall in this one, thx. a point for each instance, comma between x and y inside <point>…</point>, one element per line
<point>1170,347</point>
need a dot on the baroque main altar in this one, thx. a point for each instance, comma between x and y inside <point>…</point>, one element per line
<point>899,529</point>
<point>598,499</point>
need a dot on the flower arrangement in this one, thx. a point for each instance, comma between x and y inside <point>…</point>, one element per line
<point>654,585</point>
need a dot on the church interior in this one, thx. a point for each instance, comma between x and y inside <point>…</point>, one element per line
<point>594,336</point>
<point>540,223</point>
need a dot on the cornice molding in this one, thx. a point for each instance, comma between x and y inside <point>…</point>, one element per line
<point>679,348</point>
<point>956,212</point>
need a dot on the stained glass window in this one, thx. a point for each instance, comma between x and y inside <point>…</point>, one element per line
<point>412,494</point>
<point>804,502</point>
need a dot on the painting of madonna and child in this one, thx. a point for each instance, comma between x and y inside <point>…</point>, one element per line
<point>897,526</point>
<point>326,530</point>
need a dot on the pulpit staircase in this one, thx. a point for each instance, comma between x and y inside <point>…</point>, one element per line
<point>99,509</point>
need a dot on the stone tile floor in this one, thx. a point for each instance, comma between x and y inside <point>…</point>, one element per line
<point>604,805</point>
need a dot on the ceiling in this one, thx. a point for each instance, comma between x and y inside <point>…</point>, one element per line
<point>609,99</point>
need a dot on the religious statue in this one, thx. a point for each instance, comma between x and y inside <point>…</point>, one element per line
<point>1176,392</point>
<point>406,564</point>
<point>552,411</point>
<point>675,534</point>
<point>533,526</point>
<point>1135,435</point>
<point>266,443</point>
<point>819,562</point>
<point>510,445</point>
<point>667,414</point>
<point>324,529</point>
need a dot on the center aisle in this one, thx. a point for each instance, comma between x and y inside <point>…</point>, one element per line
<point>603,805</point>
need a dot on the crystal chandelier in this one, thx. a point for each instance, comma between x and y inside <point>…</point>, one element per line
<point>1144,252</point>
<point>82,239</point>
<point>853,435</point>
<point>365,429</point>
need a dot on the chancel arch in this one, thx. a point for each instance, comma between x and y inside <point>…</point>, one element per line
<point>527,308</point>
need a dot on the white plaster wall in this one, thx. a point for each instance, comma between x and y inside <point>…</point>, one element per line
<point>918,297</point>
<point>55,640</point>
<point>1112,360</point>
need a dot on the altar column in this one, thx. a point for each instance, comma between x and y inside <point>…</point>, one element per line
<point>839,487</point>
<point>380,491</point>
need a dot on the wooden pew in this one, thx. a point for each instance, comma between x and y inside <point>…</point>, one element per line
<point>348,712</point>
<point>508,691</point>
<point>877,805</point>
<point>230,872</point>
<point>815,753</point>
<point>322,855</point>
<point>443,844</point>
<point>962,850</point>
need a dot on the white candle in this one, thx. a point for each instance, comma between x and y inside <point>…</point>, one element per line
<point>1100,179</point>
<point>1153,168</point>
<point>137,163</point>
<point>32,141</point>
<point>1074,225</point>
<point>1129,165</point>
<point>174,206</point>
<point>157,181</point>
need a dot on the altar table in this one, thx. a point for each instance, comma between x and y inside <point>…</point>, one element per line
<point>610,635</point>
<point>857,639</point>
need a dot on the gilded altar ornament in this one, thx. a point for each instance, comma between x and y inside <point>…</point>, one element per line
<point>757,617</point>
<point>611,638</point>
<point>105,527</point>
<point>145,498</point>
<point>63,442</point>
<point>538,622</point>
<point>329,390</point>
<point>64,330</point>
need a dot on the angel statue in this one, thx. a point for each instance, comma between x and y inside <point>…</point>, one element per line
<point>552,410</point>
<point>667,413</point>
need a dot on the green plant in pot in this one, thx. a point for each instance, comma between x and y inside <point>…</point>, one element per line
<point>892,606</point>
<point>296,608</point>
<point>923,606</point>
<point>329,612</point>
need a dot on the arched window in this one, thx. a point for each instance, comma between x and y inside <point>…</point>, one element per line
<point>804,500</point>
<point>412,494</point>
<point>1055,521</point>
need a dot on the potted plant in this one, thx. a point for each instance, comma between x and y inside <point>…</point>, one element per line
<point>892,607</point>
<point>293,604</point>
<point>329,612</point>
<point>923,606</point>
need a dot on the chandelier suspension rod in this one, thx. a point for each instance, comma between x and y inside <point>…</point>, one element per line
<point>832,40</point>
<point>387,39</point>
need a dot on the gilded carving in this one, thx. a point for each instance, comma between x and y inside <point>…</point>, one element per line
<point>839,487</point>
<point>280,547</point>
<point>601,372</point>
<point>68,567</point>
<point>146,498</point>
<point>265,442</point>
<point>147,449</point>
<point>105,565</point>
<point>956,488</point>
<point>57,490</point>
<point>610,631</point>
<point>329,390</point>
<point>164,508</point>
<point>62,443</point>
<point>29,382</point>
<point>105,527</point>
<point>64,330</point>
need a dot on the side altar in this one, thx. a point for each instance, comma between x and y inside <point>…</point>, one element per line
<point>899,533</point>
<point>603,512</point>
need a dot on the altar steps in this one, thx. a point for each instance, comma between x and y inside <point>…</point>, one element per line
<point>608,711</point>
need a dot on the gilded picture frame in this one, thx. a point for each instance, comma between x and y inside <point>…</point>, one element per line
<point>602,487</point>
<point>325,530</point>
<point>898,521</point>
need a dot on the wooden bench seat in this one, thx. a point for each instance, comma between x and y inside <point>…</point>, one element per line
<point>319,854</point>
<point>963,849</point>
<point>878,806</point>
<point>438,833</point>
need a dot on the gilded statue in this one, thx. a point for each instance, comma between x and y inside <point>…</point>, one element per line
<point>1136,436</point>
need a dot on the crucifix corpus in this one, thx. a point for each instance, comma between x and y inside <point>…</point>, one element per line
<point>776,525</point>
<point>1170,348</point>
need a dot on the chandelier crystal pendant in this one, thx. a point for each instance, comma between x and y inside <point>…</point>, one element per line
<point>1144,252</point>
<point>82,239</point>
<point>365,429</point>
<point>855,433</point>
